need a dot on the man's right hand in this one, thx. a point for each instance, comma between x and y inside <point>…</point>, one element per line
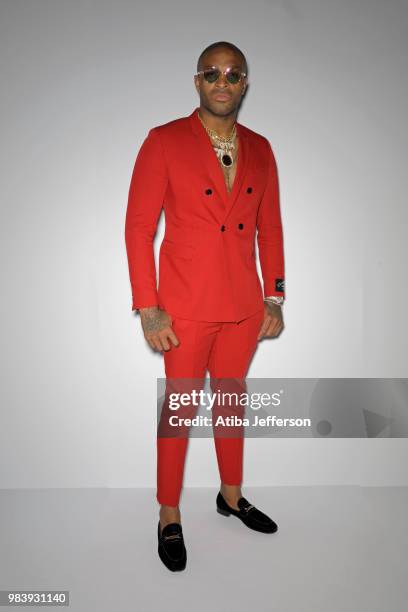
<point>157,329</point>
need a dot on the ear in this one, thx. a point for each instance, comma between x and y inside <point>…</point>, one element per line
<point>197,84</point>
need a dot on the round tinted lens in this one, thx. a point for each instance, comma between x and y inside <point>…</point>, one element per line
<point>233,76</point>
<point>211,75</point>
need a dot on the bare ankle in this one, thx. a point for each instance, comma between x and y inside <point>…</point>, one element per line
<point>231,493</point>
<point>169,514</point>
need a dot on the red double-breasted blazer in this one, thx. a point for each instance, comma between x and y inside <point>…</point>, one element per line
<point>207,266</point>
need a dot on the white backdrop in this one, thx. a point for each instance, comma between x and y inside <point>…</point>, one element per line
<point>82,83</point>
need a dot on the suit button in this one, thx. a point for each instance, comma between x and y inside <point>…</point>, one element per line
<point>249,190</point>
<point>208,191</point>
<point>223,228</point>
<point>241,226</point>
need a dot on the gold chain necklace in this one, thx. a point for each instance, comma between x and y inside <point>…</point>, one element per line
<point>224,144</point>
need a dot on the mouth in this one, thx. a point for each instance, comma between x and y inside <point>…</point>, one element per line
<point>220,97</point>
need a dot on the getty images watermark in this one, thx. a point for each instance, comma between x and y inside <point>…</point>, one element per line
<point>211,401</point>
<point>282,407</point>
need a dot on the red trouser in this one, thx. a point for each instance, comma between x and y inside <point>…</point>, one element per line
<point>226,350</point>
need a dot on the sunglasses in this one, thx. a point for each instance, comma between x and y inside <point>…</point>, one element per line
<point>211,75</point>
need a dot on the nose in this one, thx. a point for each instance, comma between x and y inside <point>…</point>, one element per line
<point>222,79</point>
<point>222,85</point>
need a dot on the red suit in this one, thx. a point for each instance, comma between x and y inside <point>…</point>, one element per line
<point>208,281</point>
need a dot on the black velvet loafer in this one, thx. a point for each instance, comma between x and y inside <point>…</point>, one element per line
<point>172,550</point>
<point>249,515</point>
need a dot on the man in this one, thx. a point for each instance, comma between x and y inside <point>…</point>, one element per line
<point>217,182</point>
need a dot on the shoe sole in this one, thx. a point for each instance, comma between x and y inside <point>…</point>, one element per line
<point>224,512</point>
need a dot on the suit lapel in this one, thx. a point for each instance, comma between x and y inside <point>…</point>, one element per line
<point>210,161</point>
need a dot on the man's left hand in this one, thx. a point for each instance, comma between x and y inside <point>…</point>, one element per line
<point>273,321</point>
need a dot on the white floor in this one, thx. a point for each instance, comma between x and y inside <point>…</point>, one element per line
<point>337,549</point>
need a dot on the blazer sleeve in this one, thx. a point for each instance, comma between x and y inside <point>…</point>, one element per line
<point>270,235</point>
<point>146,194</point>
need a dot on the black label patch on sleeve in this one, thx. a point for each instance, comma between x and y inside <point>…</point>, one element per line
<point>279,284</point>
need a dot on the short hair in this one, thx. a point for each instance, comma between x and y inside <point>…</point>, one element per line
<point>226,45</point>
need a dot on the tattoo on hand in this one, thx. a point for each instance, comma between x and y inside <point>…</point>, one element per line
<point>153,320</point>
